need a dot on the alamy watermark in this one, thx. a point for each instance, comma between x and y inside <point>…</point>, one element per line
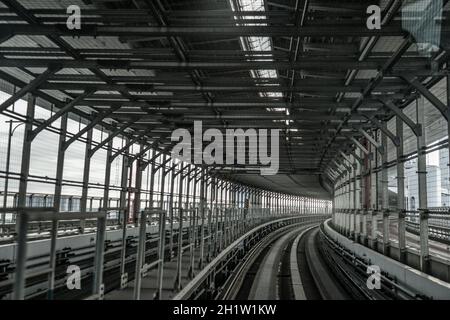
<point>74,19</point>
<point>374,19</point>
<point>73,281</point>
<point>233,146</point>
<point>374,280</point>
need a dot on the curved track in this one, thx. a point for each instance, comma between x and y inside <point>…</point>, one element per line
<point>325,281</point>
<point>238,285</point>
<point>290,264</point>
<point>285,266</point>
<point>269,283</point>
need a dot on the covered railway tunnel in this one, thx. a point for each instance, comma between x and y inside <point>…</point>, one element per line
<point>228,149</point>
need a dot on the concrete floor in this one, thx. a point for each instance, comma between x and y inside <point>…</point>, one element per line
<point>148,284</point>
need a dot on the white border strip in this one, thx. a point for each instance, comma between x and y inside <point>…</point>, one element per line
<point>296,280</point>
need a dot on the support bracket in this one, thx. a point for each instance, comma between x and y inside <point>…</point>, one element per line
<point>395,140</point>
<point>414,81</point>
<point>377,145</point>
<point>67,108</point>
<point>415,127</point>
<point>360,146</point>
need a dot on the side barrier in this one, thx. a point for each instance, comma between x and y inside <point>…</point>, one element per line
<point>409,277</point>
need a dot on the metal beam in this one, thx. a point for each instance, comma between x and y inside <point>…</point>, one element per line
<point>129,144</point>
<point>69,106</point>
<point>111,136</point>
<point>305,63</point>
<point>92,124</point>
<point>377,145</point>
<point>416,128</point>
<point>133,32</point>
<point>360,146</point>
<point>33,85</point>
<point>388,133</point>
<point>358,158</point>
<point>428,95</point>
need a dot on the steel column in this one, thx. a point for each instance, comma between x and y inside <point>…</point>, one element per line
<point>57,204</point>
<point>7,169</point>
<point>422,177</point>
<point>401,193</point>
<point>170,207</point>
<point>162,237</point>
<point>178,284</point>
<point>202,213</point>
<point>385,191</point>
<point>19,278</point>
<point>86,171</point>
<point>123,212</point>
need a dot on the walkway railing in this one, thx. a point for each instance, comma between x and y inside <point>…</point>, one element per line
<point>188,229</point>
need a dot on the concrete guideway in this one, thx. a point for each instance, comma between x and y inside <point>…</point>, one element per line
<point>408,277</point>
<point>227,260</point>
<point>265,283</point>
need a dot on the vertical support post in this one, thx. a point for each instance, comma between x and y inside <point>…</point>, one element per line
<point>225,218</point>
<point>195,214</point>
<point>360,200</point>
<point>123,213</point>
<point>86,171</point>
<point>22,220</point>
<point>191,227</point>
<point>277,204</point>
<point>170,207</point>
<point>152,179</point>
<point>210,218</point>
<point>57,205</point>
<point>6,186</point>
<point>333,206</point>
<point>162,235</point>
<point>423,197</point>
<point>202,213</point>
<point>401,193</point>
<point>352,197</point>
<point>138,188</point>
<point>99,257</point>
<point>348,197</point>
<point>221,215</point>
<point>140,254</point>
<point>375,204</point>
<point>233,211</point>
<point>385,192</point>
<point>365,198</point>
<point>355,231</point>
<point>217,222</point>
<point>178,284</point>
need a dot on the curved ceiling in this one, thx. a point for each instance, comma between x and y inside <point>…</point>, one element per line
<point>310,68</point>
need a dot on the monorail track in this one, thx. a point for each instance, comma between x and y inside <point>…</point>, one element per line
<point>299,263</point>
<point>266,271</point>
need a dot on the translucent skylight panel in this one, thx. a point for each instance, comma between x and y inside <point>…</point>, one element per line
<point>257,43</point>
